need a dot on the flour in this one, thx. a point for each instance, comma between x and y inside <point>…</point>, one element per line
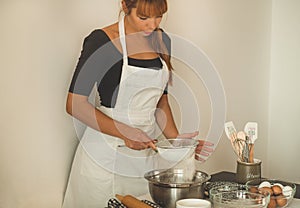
<point>188,166</point>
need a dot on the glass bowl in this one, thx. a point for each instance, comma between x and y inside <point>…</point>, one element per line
<point>241,199</point>
<point>212,184</point>
<point>225,188</point>
<point>281,192</point>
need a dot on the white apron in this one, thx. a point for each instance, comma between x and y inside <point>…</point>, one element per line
<point>103,166</point>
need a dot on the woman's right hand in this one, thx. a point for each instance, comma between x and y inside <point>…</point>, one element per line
<point>79,107</point>
<point>136,139</point>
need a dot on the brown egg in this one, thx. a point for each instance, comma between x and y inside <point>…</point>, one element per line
<point>253,189</point>
<point>263,189</point>
<point>281,200</point>
<point>276,190</point>
<point>272,203</point>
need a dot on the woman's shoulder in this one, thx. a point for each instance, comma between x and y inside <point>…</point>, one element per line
<point>97,35</point>
<point>103,33</point>
<point>112,31</point>
<point>94,40</point>
<point>101,36</point>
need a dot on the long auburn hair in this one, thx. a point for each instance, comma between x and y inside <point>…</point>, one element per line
<point>152,8</point>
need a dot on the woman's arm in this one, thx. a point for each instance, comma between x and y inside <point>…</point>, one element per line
<point>79,107</point>
<point>164,118</point>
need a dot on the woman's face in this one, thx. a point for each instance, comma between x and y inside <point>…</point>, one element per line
<point>142,24</point>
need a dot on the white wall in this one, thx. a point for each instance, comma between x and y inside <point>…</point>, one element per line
<point>235,34</point>
<point>40,43</point>
<point>284,139</point>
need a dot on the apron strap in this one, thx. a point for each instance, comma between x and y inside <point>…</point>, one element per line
<point>122,40</point>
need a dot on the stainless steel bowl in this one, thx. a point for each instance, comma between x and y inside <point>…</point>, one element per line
<point>166,186</point>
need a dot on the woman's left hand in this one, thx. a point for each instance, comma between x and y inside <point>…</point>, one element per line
<point>203,149</point>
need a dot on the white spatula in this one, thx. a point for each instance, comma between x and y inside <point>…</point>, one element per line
<point>251,131</point>
<point>232,136</point>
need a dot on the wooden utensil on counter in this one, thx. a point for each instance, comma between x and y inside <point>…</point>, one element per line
<point>131,202</point>
<point>251,153</point>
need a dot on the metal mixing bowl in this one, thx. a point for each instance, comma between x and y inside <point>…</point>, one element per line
<point>166,186</point>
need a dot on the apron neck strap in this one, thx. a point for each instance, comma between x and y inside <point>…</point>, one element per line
<point>123,40</point>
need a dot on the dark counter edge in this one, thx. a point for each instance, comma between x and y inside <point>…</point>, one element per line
<point>229,176</point>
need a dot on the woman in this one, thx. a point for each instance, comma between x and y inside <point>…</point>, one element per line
<point>130,63</point>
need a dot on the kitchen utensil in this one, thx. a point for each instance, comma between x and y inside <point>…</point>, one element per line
<point>248,171</point>
<point>232,135</point>
<point>164,142</point>
<point>251,153</point>
<point>251,130</point>
<point>243,146</point>
<point>229,129</point>
<point>243,141</point>
<point>225,188</point>
<point>241,199</point>
<point>168,186</point>
<point>176,149</point>
<point>131,202</point>
<point>124,146</point>
<point>213,184</point>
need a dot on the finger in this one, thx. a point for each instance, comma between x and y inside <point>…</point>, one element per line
<point>205,143</point>
<point>152,146</point>
<point>200,159</point>
<point>203,153</point>
<point>206,149</point>
<point>144,145</point>
<point>135,147</point>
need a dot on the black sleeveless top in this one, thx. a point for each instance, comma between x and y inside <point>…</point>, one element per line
<point>101,63</point>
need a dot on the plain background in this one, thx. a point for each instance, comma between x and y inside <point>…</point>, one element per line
<point>254,45</point>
